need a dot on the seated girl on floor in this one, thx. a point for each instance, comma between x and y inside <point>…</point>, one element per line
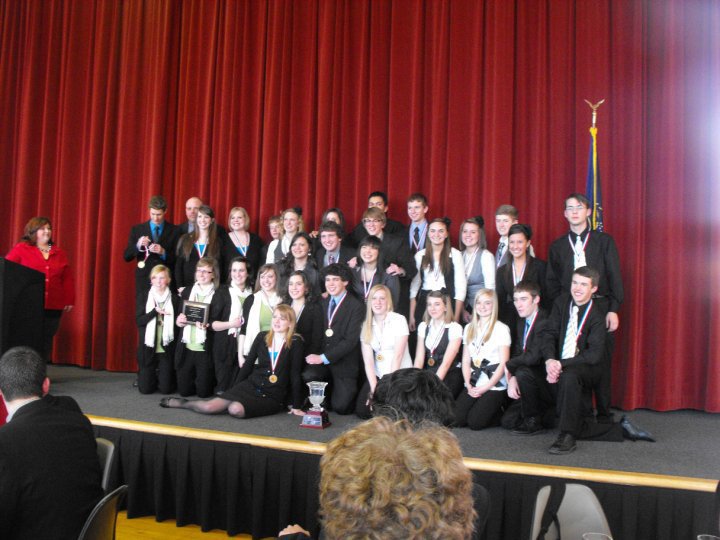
<point>270,375</point>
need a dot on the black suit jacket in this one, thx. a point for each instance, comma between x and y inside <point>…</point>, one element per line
<point>49,471</point>
<point>229,252</point>
<point>504,287</point>
<point>532,354</point>
<point>346,254</point>
<point>168,240</point>
<point>600,253</point>
<point>342,349</point>
<point>591,342</point>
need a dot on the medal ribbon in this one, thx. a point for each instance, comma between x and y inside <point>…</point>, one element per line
<point>529,329</point>
<point>582,323</point>
<point>572,246</point>
<point>331,316</point>
<point>517,279</point>
<point>469,261</point>
<point>146,250</point>
<point>275,355</point>
<point>367,285</point>
<point>437,340</point>
<point>421,237</point>
<point>204,249</point>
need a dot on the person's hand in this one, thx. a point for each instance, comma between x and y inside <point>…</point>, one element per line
<point>313,234</point>
<point>297,412</point>
<point>293,529</point>
<point>395,270</point>
<point>157,249</point>
<point>475,391</point>
<point>181,320</point>
<point>313,359</point>
<point>612,321</point>
<point>143,241</point>
<point>180,290</point>
<point>236,323</point>
<point>161,311</point>
<point>411,324</point>
<point>513,388</point>
<point>467,316</point>
<point>201,326</point>
<point>352,263</point>
<point>67,309</point>
<point>554,369</point>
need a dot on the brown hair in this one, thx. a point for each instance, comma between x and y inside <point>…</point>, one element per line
<point>32,227</point>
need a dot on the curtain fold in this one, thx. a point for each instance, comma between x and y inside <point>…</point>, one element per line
<point>268,104</point>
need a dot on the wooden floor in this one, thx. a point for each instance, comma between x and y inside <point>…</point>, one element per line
<point>147,528</point>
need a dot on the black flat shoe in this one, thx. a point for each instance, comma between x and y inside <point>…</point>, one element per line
<point>529,426</point>
<point>165,402</point>
<point>633,432</point>
<point>564,444</point>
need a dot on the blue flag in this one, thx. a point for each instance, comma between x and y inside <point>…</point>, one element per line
<point>592,187</point>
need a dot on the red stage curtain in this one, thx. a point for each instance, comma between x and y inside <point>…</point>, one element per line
<point>269,104</point>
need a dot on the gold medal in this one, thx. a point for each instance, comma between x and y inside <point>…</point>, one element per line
<point>329,332</point>
<point>477,362</point>
<point>379,357</point>
<point>272,378</point>
<point>431,361</point>
<point>141,264</point>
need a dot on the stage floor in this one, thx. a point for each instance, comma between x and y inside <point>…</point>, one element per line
<point>687,446</point>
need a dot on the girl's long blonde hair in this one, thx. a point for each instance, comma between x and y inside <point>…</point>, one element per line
<point>366,333</point>
<point>475,322</point>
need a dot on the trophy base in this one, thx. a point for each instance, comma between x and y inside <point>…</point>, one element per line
<point>315,420</point>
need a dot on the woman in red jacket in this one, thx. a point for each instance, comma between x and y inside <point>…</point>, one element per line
<point>37,251</point>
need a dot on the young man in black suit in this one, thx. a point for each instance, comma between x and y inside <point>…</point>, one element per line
<point>151,243</point>
<point>527,359</point>
<point>340,360</point>
<point>331,249</point>
<point>50,478</point>
<point>583,247</point>
<point>395,254</point>
<point>379,200</point>
<point>416,232</point>
<point>573,344</point>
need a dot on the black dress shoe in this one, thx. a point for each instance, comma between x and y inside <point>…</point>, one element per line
<point>564,444</point>
<point>529,426</point>
<point>165,402</point>
<point>634,433</point>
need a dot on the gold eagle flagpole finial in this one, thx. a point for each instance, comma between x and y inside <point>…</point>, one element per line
<point>594,110</point>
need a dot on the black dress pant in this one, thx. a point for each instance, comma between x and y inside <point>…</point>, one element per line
<point>572,397</point>
<point>155,372</point>
<point>481,412</point>
<point>195,374</point>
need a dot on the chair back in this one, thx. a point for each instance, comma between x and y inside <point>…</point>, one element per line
<point>105,451</point>
<point>580,511</point>
<point>100,524</point>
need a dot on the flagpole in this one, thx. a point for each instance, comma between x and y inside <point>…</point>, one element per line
<point>593,135</point>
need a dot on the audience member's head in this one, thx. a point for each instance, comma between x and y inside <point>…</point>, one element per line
<point>415,395</point>
<point>387,480</point>
<point>23,374</point>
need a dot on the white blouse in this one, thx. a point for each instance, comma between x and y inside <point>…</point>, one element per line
<point>431,280</point>
<point>490,350</point>
<point>384,335</point>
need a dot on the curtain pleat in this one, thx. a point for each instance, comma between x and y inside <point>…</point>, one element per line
<point>268,104</point>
